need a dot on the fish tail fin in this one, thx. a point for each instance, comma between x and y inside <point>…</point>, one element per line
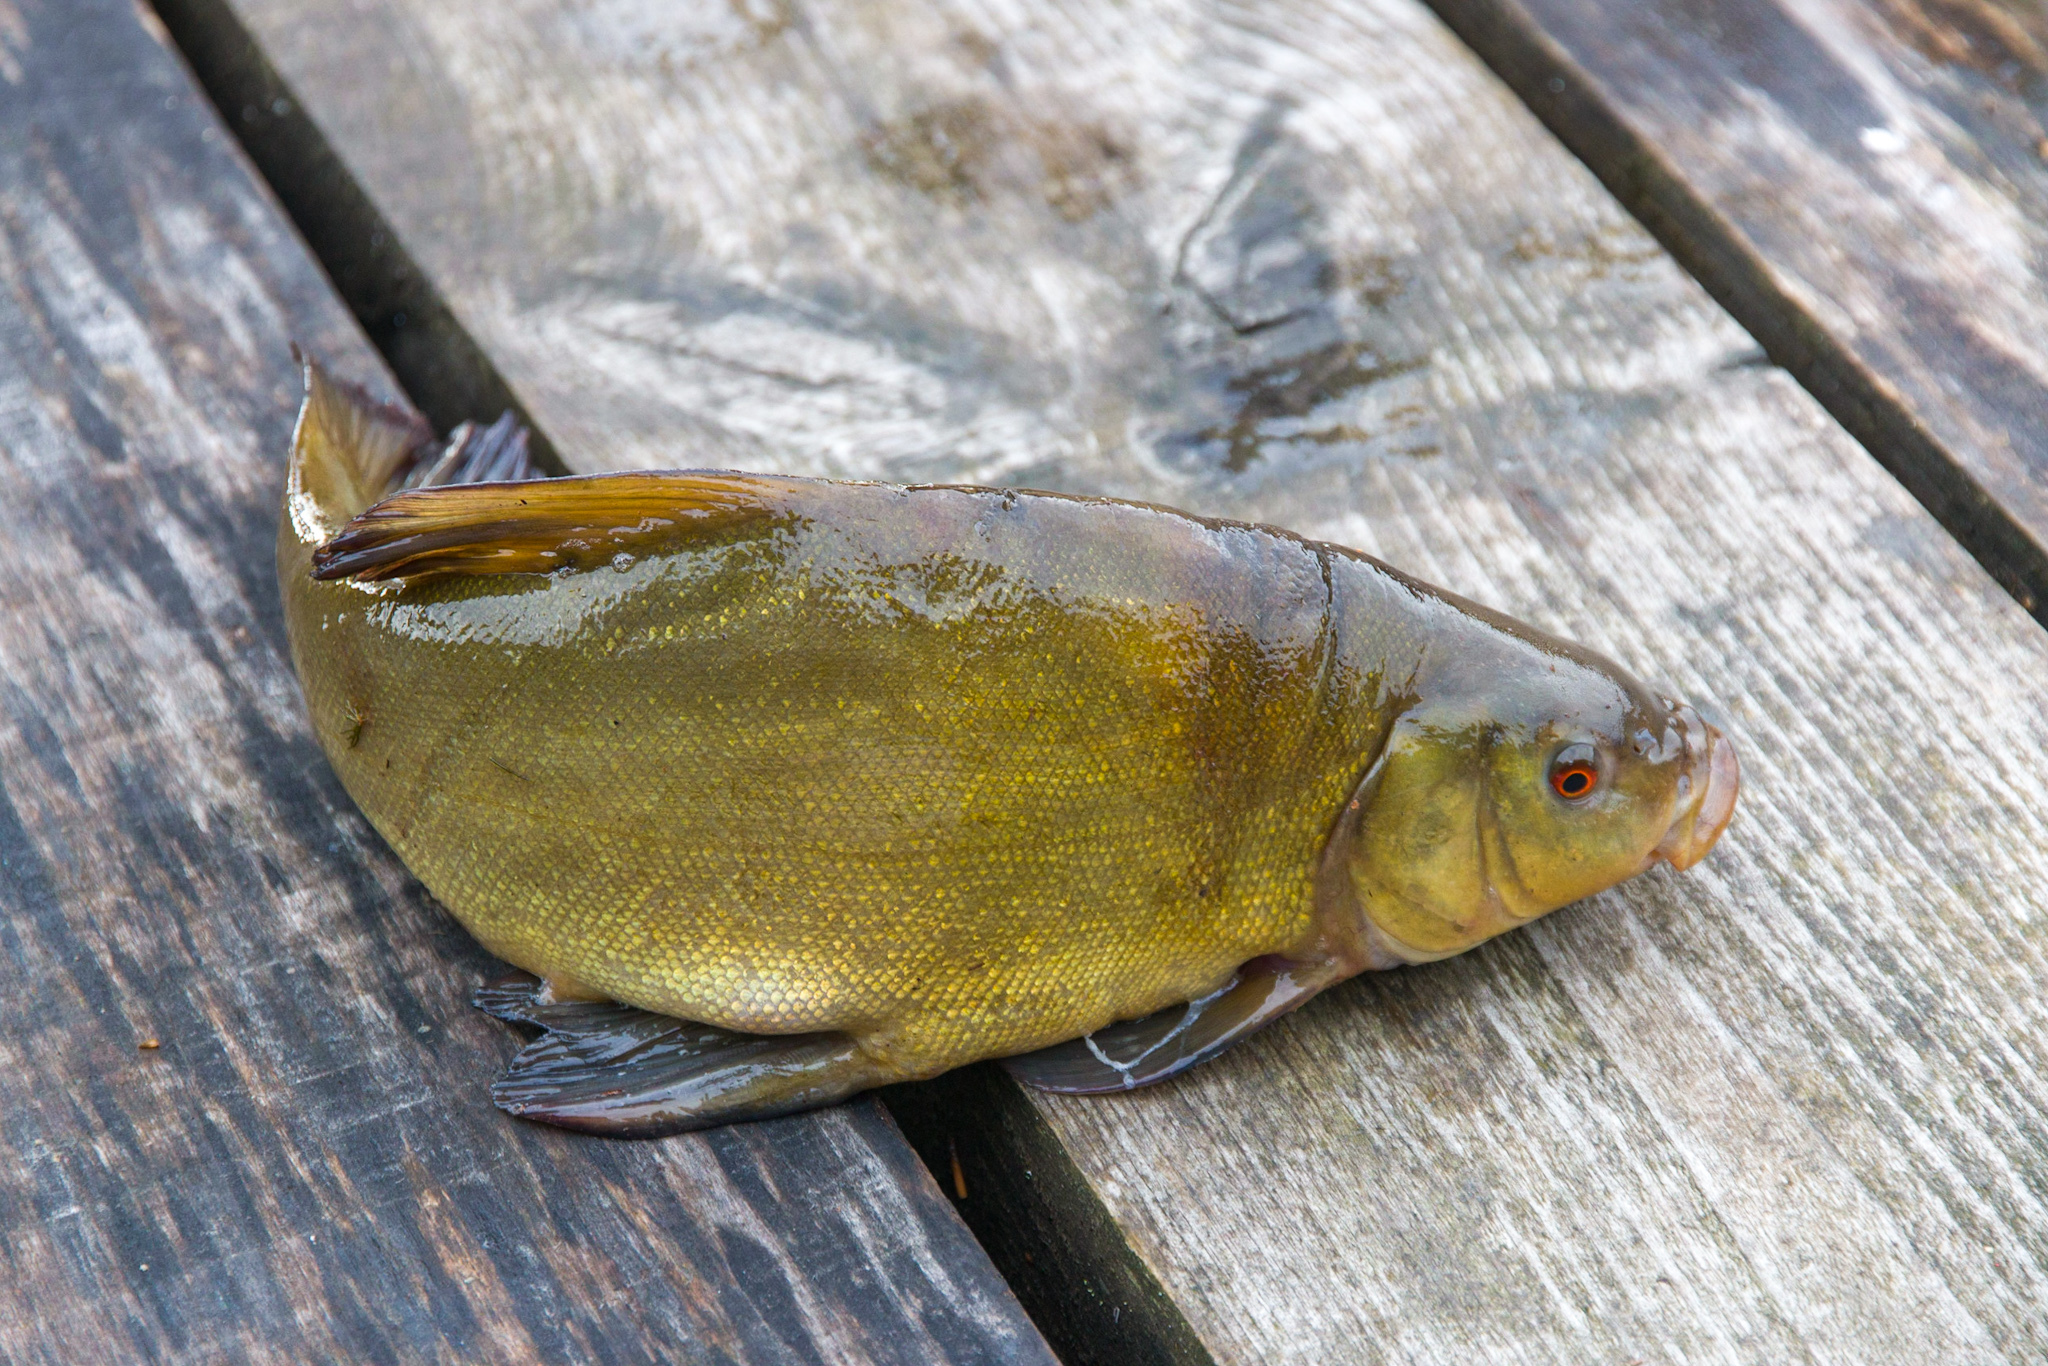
<point>349,452</point>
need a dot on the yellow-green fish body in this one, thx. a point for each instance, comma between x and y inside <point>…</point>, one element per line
<point>938,773</point>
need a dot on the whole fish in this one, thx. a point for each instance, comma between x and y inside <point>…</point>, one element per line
<point>786,788</point>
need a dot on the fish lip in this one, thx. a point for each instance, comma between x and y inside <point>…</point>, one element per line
<point>1714,777</point>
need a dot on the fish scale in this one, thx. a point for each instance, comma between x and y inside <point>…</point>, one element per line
<point>918,776</point>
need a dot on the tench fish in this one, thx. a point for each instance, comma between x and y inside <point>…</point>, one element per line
<point>787,788</point>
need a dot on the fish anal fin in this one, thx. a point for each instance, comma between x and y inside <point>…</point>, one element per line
<point>612,1069</point>
<point>1134,1053</point>
<point>538,526</point>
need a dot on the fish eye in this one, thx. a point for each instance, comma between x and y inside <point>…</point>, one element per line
<point>1575,772</point>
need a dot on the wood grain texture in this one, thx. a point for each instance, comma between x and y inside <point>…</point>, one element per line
<point>1864,183</point>
<point>444,373</point>
<point>306,1166</point>
<point>1309,262</point>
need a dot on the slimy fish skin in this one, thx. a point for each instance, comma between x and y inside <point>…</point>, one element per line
<point>781,789</point>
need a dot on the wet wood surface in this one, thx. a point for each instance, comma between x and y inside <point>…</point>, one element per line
<point>1865,184</point>
<point>244,1096</point>
<point>1312,263</point>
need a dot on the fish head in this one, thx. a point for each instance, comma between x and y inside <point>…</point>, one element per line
<point>1524,774</point>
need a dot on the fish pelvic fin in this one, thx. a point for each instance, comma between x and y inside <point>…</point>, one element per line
<point>537,527</point>
<point>1134,1053</point>
<point>605,1068</point>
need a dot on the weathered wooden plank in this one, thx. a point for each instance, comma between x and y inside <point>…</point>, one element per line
<point>244,1099</point>
<point>1309,262</point>
<point>1864,185</point>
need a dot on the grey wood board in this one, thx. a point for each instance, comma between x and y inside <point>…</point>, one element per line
<point>1311,263</point>
<point>1865,184</point>
<point>307,1167</point>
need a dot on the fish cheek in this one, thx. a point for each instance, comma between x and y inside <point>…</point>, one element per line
<point>1417,864</point>
<point>1558,857</point>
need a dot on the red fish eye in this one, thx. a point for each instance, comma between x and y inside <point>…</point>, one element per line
<point>1575,772</point>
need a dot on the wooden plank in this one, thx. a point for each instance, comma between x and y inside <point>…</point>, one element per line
<point>1309,262</point>
<point>244,1094</point>
<point>1864,185</point>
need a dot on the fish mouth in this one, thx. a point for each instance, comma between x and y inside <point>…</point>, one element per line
<point>1707,785</point>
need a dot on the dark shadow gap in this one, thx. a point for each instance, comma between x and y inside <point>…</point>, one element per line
<point>1021,1195</point>
<point>1560,93</point>
<point>439,364</point>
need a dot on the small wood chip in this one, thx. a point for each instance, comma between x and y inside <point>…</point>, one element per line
<point>149,1044</point>
<point>959,1176</point>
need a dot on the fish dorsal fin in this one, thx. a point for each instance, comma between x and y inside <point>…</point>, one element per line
<point>537,526</point>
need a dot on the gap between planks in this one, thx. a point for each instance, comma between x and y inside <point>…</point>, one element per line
<point>443,371</point>
<point>1637,171</point>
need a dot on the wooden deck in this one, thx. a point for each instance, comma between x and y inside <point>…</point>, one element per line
<point>1864,185</point>
<point>1747,393</point>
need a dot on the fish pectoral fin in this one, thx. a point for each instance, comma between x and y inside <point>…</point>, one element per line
<point>541,525</point>
<point>606,1068</point>
<point>1134,1053</point>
